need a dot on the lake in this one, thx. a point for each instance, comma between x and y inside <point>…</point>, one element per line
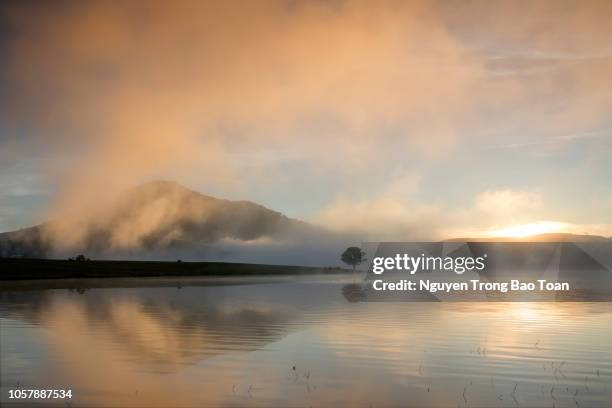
<point>296,342</point>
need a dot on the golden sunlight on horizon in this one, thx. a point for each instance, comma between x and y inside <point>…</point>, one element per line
<point>530,229</point>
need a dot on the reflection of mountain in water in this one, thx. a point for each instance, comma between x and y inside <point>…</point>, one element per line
<point>166,326</point>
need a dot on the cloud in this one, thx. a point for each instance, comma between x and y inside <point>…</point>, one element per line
<point>138,90</point>
<point>507,204</point>
<point>516,213</point>
<point>381,219</point>
<point>391,215</point>
<point>221,95</point>
<point>395,216</point>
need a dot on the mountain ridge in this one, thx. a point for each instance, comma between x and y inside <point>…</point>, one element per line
<point>158,214</point>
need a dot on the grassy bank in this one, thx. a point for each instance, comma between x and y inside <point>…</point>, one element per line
<point>20,269</point>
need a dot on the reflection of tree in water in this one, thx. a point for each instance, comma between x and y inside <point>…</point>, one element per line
<point>156,328</point>
<point>354,292</point>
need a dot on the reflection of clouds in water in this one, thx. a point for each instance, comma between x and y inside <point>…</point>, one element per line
<point>107,344</point>
<point>150,336</point>
<point>157,330</point>
<point>169,347</point>
<point>92,356</point>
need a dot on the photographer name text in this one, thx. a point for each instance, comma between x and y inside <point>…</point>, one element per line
<point>472,285</point>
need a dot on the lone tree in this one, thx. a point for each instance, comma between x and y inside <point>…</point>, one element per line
<point>353,256</point>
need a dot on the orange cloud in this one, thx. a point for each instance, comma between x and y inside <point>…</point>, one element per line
<point>124,92</point>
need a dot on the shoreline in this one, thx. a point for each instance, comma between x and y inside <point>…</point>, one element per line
<point>20,269</point>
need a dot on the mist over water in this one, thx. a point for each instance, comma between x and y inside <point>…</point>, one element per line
<point>299,342</point>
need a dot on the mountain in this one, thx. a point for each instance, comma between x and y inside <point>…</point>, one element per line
<point>27,242</point>
<point>155,217</point>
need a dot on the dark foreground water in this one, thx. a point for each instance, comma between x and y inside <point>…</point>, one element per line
<point>298,342</point>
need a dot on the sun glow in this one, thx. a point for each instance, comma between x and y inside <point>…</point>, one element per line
<point>533,228</point>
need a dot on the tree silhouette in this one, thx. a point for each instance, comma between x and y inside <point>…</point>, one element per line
<point>79,258</point>
<point>353,256</point>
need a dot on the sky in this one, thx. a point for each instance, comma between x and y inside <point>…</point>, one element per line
<point>400,120</point>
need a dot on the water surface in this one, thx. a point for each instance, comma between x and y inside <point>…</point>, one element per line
<point>298,341</point>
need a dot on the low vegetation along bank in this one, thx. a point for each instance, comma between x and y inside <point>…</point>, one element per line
<point>20,268</point>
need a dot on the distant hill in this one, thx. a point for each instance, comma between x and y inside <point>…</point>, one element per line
<point>27,243</point>
<point>549,237</point>
<point>159,215</point>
